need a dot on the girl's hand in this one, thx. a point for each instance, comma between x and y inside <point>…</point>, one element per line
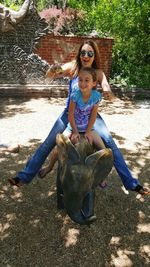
<point>75,138</point>
<point>89,137</point>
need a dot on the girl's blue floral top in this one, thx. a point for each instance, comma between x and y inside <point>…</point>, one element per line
<point>83,110</point>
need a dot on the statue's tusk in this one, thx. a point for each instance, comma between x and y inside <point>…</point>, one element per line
<point>19,15</point>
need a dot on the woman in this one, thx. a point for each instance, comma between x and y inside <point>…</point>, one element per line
<point>88,56</point>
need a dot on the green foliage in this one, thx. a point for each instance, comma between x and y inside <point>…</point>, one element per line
<point>127,21</point>
<point>12,4</point>
<point>43,4</point>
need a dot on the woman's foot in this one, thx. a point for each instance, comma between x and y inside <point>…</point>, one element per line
<point>15,181</point>
<point>44,171</point>
<point>141,190</point>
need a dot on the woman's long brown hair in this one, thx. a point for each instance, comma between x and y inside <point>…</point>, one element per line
<point>96,62</point>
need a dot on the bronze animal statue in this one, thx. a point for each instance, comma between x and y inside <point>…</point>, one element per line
<point>9,18</point>
<point>80,170</point>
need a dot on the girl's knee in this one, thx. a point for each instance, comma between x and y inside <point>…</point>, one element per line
<point>97,140</point>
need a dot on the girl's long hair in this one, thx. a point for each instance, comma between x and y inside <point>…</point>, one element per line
<point>96,63</point>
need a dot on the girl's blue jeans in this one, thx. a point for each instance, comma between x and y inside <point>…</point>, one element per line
<point>36,161</point>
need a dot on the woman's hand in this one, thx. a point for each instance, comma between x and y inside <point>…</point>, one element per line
<point>54,70</point>
<point>60,70</point>
<point>89,137</point>
<point>75,137</point>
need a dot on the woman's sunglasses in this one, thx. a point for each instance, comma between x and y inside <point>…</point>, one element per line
<point>83,53</point>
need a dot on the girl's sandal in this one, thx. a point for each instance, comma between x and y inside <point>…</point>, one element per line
<point>43,172</point>
<point>15,181</point>
<point>141,190</point>
<point>103,185</point>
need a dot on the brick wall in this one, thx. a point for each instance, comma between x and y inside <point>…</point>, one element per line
<point>61,49</point>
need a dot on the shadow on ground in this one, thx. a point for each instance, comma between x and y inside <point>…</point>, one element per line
<point>35,234</point>
<point>10,107</point>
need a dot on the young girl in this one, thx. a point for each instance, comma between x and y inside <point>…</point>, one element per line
<point>83,109</point>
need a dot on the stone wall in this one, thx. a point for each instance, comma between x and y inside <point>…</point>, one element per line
<point>18,63</point>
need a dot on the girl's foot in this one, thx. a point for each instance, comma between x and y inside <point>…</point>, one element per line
<point>141,190</point>
<point>43,172</point>
<point>15,181</point>
<point>103,185</point>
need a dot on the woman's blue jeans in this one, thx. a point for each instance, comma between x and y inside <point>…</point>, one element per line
<point>36,161</point>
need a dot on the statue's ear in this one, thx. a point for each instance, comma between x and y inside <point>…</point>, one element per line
<point>66,150</point>
<point>101,163</point>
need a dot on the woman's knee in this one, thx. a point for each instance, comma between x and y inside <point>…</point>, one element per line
<point>110,143</point>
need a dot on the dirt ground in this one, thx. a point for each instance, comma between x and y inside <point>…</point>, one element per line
<point>33,233</point>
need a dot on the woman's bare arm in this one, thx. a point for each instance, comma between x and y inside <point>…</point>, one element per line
<point>58,70</point>
<point>107,93</point>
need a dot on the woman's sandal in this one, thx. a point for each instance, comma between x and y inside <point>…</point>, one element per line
<point>14,149</point>
<point>15,181</point>
<point>141,190</point>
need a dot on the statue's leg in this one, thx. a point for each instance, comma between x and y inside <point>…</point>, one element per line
<point>88,207</point>
<point>60,202</point>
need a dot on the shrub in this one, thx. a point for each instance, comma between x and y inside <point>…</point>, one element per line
<point>64,21</point>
